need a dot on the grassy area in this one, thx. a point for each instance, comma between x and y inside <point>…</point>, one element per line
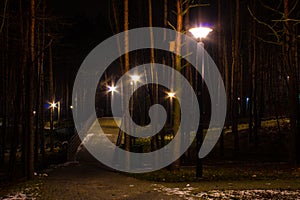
<point>229,172</point>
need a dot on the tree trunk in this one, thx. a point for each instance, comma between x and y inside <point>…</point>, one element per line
<point>234,83</point>
<point>176,120</point>
<point>30,92</point>
<point>154,139</point>
<point>220,63</point>
<point>290,59</point>
<point>126,68</point>
<point>52,97</point>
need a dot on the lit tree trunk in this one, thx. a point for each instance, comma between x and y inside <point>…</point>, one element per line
<point>117,31</point>
<point>126,68</point>
<point>165,17</point>
<point>154,139</point>
<point>188,74</point>
<point>176,120</point>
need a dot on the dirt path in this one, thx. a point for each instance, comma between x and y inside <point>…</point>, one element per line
<point>93,182</point>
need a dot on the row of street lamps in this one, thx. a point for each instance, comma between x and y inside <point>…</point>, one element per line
<point>199,33</point>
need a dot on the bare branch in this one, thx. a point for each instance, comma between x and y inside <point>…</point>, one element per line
<point>173,27</point>
<point>265,24</point>
<point>270,8</point>
<point>286,20</point>
<point>193,6</point>
<point>268,41</point>
<point>293,8</point>
<point>4,14</point>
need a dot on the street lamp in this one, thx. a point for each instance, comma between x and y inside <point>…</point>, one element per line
<point>200,33</point>
<point>53,105</point>
<point>171,95</point>
<point>135,78</point>
<point>112,89</point>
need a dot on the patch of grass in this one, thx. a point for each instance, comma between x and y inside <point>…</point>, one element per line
<point>232,172</point>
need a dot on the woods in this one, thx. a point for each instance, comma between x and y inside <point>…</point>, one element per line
<point>255,45</point>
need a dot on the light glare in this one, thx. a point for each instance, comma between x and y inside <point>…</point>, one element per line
<point>53,105</point>
<point>200,32</point>
<point>171,94</point>
<point>112,88</point>
<point>135,78</point>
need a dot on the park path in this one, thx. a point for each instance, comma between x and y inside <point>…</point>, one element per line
<point>88,181</point>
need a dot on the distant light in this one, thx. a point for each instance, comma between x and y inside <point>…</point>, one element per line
<point>171,94</point>
<point>288,77</point>
<point>239,98</point>
<point>112,88</point>
<point>53,105</point>
<point>247,99</point>
<point>71,107</point>
<point>34,112</point>
<point>200,32</point>
<point>135,78</point>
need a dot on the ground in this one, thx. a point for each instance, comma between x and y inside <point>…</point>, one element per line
<point>92,181</point>
<point>260,172</point>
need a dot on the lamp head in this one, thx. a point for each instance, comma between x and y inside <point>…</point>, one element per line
<point>200,32</point>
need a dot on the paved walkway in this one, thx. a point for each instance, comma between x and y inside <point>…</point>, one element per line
<point>91,182</point>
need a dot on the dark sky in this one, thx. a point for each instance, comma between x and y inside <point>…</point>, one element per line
<point>89,8</point>
<point>82,36</point>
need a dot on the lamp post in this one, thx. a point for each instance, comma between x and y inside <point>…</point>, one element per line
<point>200,33</point>
<point>53,105</point>
<point>111,89</point>
<point>134,80</point>
<point>171,95</point>
<point>58,111</point>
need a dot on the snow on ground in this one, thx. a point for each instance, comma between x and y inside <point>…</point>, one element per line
<point>28,194</point>
<point>191,193</point>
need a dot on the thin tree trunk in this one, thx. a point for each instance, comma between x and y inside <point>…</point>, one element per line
<point>30,92</point>
<point>23,80</point>
<point>234,83</point>
<point>220,63</point>
<point>154,139</point>
<point>52,97</point>
<point>252,63</point>
<point>290,59</point>
<point>176,121</point>
<point>41,89</point>
<point>126,68</point>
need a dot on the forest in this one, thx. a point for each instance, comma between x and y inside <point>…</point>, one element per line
<point>254,43</point>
